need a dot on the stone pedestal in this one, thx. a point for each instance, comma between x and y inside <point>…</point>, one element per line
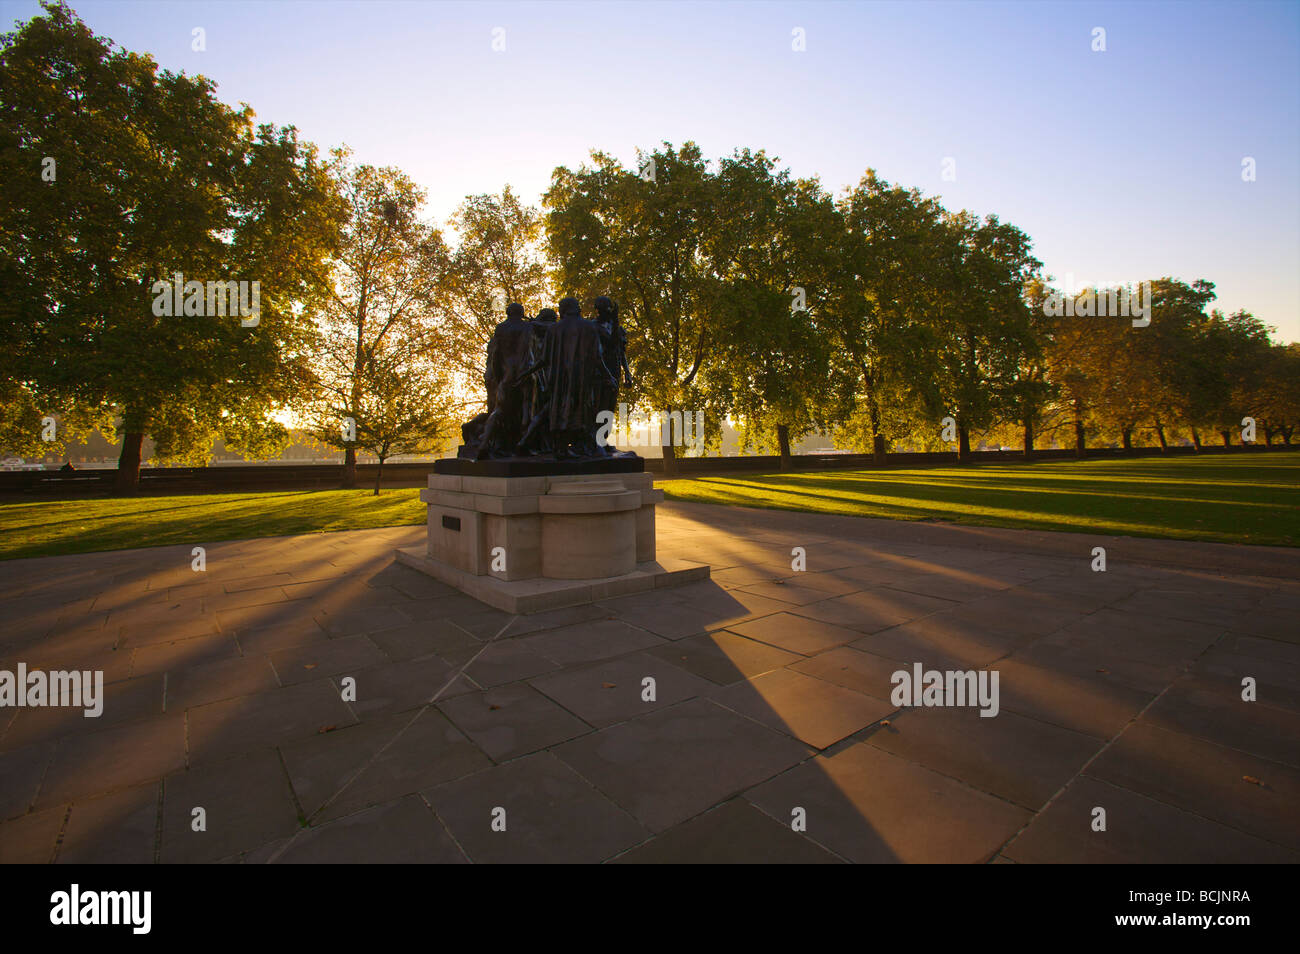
<point>527,544</point>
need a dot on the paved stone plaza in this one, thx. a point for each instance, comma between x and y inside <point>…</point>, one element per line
<point>1120,690</point>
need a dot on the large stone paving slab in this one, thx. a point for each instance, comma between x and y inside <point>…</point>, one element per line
<point>535,809</point>
<point>404,831</point>
<point>322,703</point>
<point>1092,706</point>
<point>501,662</point>
<point>673,764</point>
<point>21,771</point>
<point>32,839</point>
<point>338,772</point>
<point>1138,829</point>
<point>118,828</point>
<point>855,669</point>
<point>206,682</point>
<point>1226,785</point>
<point>724,657</point>
<point>803,588</point>
<point>402,686</point>
<point>873,610</point>
<point>243,724</point>
<point>1020,759</point>
<point>869,806</point>
<point>113,758</point>
<point>622,689</point>
<point>514,720</point>
<point>1277,683</point>
<point>1215,711</point>
<point>245,802</point>
<point>733,833</point>
<point>589,641</point>
<point>795,634</point>
<point>947,640</point>
<point>803,707</point>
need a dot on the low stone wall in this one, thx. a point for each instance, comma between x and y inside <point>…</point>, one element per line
<point>259,477</point>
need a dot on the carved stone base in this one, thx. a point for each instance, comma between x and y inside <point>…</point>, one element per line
<point>527,544</point>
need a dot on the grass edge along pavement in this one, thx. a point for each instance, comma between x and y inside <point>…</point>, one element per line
<point>1251,499</point>
<point>91,525</point>
<point>1248,499</point>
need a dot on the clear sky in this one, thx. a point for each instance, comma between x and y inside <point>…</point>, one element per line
<point>1121,165</point>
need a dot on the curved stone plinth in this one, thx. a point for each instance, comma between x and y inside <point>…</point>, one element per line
<point>588,530</point>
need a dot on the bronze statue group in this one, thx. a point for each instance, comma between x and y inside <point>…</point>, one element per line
<point>547,380</point>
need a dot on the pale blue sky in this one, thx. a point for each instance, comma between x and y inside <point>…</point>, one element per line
<point>1123,165</point>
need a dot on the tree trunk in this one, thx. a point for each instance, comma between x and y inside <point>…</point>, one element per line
<point>1196,439</point>
<point>963,444</point>
<point>1286,435</point>
<point>1268,436</point>
<point>670,462</point>
<point>379,473</point>
<point>1160,433</point>
<point>877,438</point>
<point>349,468</point>
<point>1227,438</point>
<point>128,463</point>
<point>1080,439</point>
<point>1029,440</point>
<point>1126,435</point>
<point>783,444</point>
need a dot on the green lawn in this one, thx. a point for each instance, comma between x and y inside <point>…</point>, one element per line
<point>43,528</point>
<point>1248,499</point>
<point>1253,498</point>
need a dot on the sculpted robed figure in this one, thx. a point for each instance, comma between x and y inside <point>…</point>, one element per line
<point>573,361</point>
<point>547,380</point>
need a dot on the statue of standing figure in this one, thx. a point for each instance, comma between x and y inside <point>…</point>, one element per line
<point>539,388</point>
<point>547,380</point>
<point>614,344</point>
<point>509,354</point>
<point>574,364</point>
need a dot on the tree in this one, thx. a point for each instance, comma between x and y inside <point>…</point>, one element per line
<point>1099,364</point>
<point>978,333</point>
<point>769,251</point>
<point>643,239</point>
<point>497,261</point>
<point>886,252</point>
<point>118,178</point>
<point>378,328</point>
<point>33,427</point>
<point>1028,397</point>
<point>1239,355</point>
<point>1179,372</point>
<point>405,405</point>
<point>1269,391</point>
